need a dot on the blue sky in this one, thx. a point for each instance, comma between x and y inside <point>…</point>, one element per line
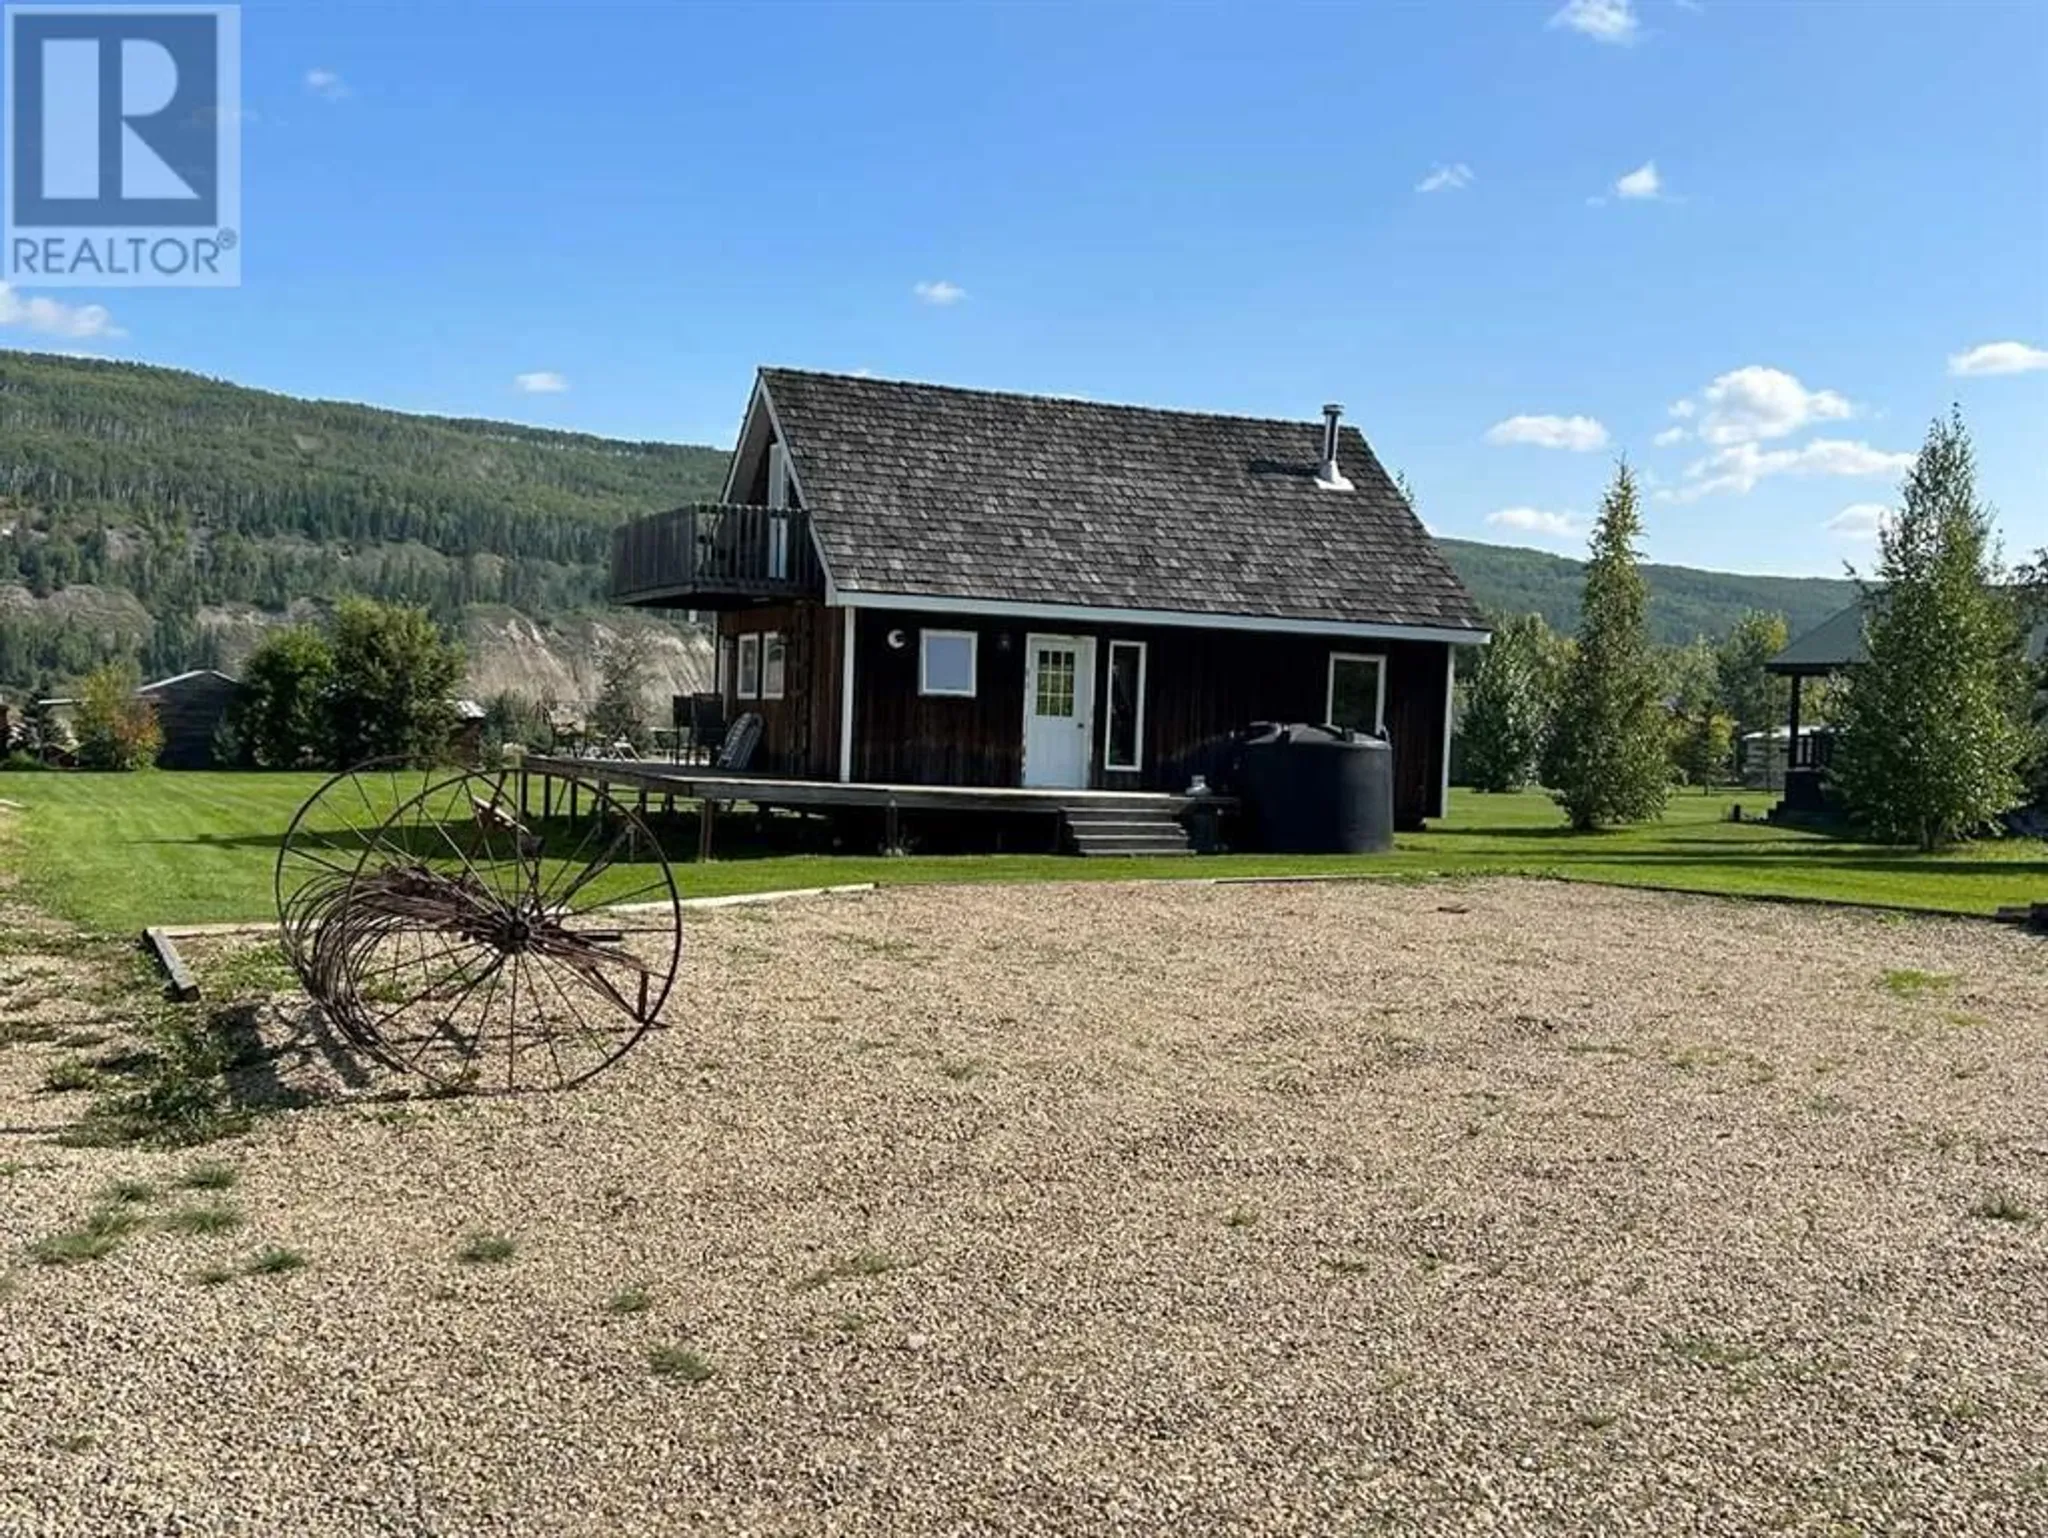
<point>1806,227</point>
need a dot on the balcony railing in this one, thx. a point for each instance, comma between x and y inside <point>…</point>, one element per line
<point>714,555</point>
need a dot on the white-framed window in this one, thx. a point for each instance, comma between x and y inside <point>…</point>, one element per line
<point>749,670</point>
<point>774,665</point>
<point>946,661</point>
<point>1123,730</point>
<point>1357,694</point>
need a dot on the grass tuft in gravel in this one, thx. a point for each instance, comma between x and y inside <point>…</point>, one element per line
<point>1912,983</point>
<point>1595,1419</point>
<point>70,1076</point>
<point>276,1261</point>
<point>678,1362</point>
<point>120,1192</point>
<point>634,1300</point>
<point>1708,1351</point>
<point>1240,1217</point>
<point>73,1442</point>
<point>214,1276</point>
<point>485,1250</point>
<point>2001,1207</point>
<point>864,1264</point>
<point>212,1219</point>
<point>95,1239</point>
<point>209,1176</point>
<point>173,1096</point>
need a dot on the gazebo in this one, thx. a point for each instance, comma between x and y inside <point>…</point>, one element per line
<point>1831,647</point>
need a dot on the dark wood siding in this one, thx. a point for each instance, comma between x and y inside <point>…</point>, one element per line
<point>800,731</point>
<point>1201,686</point>
<point>190,710</point>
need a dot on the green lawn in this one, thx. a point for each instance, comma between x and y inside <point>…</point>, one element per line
<point>120,851</point>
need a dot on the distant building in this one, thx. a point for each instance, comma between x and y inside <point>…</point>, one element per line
<point>191,708</point>
<point>467,742</point>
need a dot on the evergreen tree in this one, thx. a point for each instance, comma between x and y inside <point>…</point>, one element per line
<point>1932,729</point>
<point>1508,705</point>
<point>619,713</point>
<point>1608,753</point>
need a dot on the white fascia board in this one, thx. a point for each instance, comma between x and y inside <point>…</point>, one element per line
<point>927,603</point>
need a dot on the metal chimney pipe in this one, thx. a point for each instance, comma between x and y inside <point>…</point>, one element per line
<point>1328,475</point>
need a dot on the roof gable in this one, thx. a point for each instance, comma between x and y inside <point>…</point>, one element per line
<point>977,495</point>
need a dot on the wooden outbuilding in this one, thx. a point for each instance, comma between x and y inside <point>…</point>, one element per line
<point>919,585</point>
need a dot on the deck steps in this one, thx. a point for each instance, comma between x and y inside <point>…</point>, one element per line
<point>1125,830</point>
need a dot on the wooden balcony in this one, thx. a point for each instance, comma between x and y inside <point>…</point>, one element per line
<point>714,555</point>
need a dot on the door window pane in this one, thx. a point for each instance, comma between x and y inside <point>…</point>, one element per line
<point>773,666</point>
<point>1055,682</point>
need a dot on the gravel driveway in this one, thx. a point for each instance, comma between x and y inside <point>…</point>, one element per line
<point>1506,1207</point>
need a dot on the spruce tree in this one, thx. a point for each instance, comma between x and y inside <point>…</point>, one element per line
<point>1932,729</point>
<point>1508,705</point>
<point>1608,758</point>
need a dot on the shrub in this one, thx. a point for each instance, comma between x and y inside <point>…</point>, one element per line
<point>116,728</point>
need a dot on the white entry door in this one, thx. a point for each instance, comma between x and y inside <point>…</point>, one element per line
<point>1059,709</point>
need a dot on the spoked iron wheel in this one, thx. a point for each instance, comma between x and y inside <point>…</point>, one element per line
<point>486,956</point>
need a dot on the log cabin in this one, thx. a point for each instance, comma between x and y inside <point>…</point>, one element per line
<point>917,585</point>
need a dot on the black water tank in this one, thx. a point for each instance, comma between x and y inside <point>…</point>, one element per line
<point>1318,790</point>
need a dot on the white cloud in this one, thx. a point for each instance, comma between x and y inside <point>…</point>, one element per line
<point>1682,409</point>
<point>49,317</point>
<point>1669,436</point>
<point>1579,434</point>
<point>1534,520</point>
<point>1997,358</point>
<point>940,292</point>
<point>326,84</point>
<point>1442,177</point>
<point>540,382</point>
<point>1605,21</point>
<point>1859,520</point>
<point>1641,183</point>
<point>1754,403</point>
<point>1740,467</point>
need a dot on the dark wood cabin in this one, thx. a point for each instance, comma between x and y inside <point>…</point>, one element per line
<point>190,707</point>
<point>921,585</point>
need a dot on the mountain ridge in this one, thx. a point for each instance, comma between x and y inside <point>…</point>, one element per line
<point>166,518</point>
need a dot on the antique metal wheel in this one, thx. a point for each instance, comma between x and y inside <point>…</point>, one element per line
<point>444,936</point>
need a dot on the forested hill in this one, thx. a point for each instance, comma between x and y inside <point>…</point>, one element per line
<point>1685,602</point>
<point>147,500</point>
<point>156,515</point>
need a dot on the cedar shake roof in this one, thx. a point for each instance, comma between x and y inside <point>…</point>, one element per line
<point>971,494</point>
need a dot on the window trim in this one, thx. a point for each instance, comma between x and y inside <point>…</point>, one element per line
<point>782,685</point>
<point>924,685</point>
<point>1137,764</point>
<point>1379,706</point>
<point>748,645</point>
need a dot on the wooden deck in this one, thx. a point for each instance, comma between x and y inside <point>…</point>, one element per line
<point>716,789</point>
<point>702,783</point>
